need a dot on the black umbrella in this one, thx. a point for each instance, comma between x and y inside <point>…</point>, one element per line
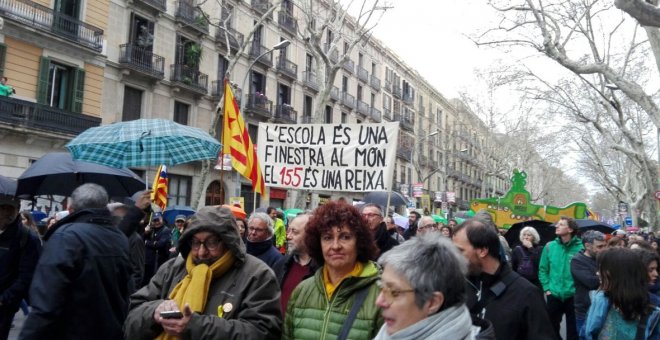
<point>545,229</point>
<point>7,186</point>
<point>57,173</point>
<point>380,198</point>
<point>588,224</point>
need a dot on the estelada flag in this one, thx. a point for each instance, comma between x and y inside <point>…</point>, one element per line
<point>159,188</point>
<point>236,142</point>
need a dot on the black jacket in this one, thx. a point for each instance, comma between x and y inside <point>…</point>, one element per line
<point>19,252</point>
<point>583,270</point>
<point>384,241</point>
<point>534,254</point>
<point>281,268</point>
<point>264,251</point>
<point>81,285</point>
<point>517,312</point>
<point>131,227</point>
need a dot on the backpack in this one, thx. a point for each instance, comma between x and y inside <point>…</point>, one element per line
<point>526,266</point>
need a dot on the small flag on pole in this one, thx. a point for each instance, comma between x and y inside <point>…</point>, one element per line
<point>237,143</point>
<point>159,193</point>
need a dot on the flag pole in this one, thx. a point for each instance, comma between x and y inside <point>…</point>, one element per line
<point>389,197</point>
<point>254,201</point>
<point>222,149</point>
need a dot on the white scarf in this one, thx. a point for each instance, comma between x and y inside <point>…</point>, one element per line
<point>451,323</point>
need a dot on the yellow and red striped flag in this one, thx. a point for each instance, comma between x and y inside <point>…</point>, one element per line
<point>159,189</point>
<point>236,142</point>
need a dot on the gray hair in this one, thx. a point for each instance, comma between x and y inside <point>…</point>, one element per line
<point>431,263</point>
<point>88,196</point>
<point>590,236</point>
<point>303,214</point>
<point>425,218</point>
<point>531,231</point>
<point>264,217</point>
<point>380,209</point>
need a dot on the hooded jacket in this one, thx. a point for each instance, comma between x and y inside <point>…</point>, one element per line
<point>249,287</point>
<point>555,267</point>
<point>310,315</point>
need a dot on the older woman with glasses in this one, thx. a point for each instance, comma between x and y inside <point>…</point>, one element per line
<point>338,302</point>
<point>423,291</point>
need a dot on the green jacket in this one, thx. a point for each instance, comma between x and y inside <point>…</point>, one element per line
<point>280,233</point>
<point>555,267</point>
<point>310,315</point>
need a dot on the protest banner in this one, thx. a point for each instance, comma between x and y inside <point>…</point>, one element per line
<point>335,157</point>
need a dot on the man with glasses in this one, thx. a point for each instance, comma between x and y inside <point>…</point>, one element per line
<point>260,232</point>
<point>219,290</point>
<point>374,216</point>
<point>426,225</point>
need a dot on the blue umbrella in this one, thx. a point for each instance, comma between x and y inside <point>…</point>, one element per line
<point>7,186</point>
<point>143,142</point>
<point>172,212</point>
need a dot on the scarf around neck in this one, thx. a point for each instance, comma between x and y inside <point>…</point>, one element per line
<point>451,323</point>
<point>194,287</point>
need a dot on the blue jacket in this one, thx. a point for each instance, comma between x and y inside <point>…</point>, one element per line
<point>81,284</point>
<point>597,315</point>
<point>19,252</point>
<point>265,251</point>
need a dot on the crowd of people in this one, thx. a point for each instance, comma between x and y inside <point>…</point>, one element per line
<point>114,270</point>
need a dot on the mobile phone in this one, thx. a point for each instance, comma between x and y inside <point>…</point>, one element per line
<point>171,314</point>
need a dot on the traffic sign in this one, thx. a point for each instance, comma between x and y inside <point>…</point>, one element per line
<point>628,221</point>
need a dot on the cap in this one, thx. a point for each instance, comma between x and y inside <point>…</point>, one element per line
<point>157,215</point>
<point>10,200</point>
<point>180,218</point>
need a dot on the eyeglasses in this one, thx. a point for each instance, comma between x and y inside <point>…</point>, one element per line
<point>256,230</point>
<point>430,226</point>
<point>370,215</point>
<point>391,294</point>
<point>209,244</point>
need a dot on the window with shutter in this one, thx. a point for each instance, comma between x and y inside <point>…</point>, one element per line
<point>78,90</point>
<point>3,53</point>
<point>132,104</point>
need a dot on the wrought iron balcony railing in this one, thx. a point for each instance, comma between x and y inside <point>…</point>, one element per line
<point>362,74</point>
<point>363,107</point>
<point>286,114</point>
<point>348,100</point>
<point>396,91</point>
<point>33,116</point>
<point>261,6</point>
<point>142,60</point>
<point>404,152</point>
<point>334,94</point>
<point>40,17</point>
<point>334,56</point>
<point>287,22</point>
<point>388,85</point>
<point>375,114</point>
<point>287,67</point>
<point>405,121</point>
<point>310,80</point>
<point>408,98</point>
<point>258,50</point>
<point>259,104</point>
<point>349,66</point>
<point>223,34</point>
<point>155,4</point>
<point>191,16</point>
<point>189,78</point>
<point>387,113</point>
<point>374,82</point>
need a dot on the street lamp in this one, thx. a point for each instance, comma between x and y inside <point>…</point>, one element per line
<point>281,45</point>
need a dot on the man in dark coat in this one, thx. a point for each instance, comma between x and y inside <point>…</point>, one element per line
<point>260,233</point>
<point>297,265</point>
<point>157,239</point>
<point>81,285</point>
<point>374,216</point>
<point>19,253</point>
<point>512,304</point>
<point>583,270</point>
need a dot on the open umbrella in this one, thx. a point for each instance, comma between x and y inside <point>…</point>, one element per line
<point>380,198</point>
<point>56,173</point>
<point>545,229</point>
<point>440,219</point>
<point>7,186</point>
<point>172,212</point>
<point>588,224</point>
<point>289,214</point>
<point>143,142</point>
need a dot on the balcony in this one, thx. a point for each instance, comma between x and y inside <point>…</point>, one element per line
<point>287,22</point>
<point>375,114</point>
<point>287,67</point>
<point>32,116</point>
<point>349,66</point>
<point>260,105</point>
<point>334,56</point>
<point>257,50</point>
<point>189,78</point>
<point>404,152</point>
<point>217,91</point>
<point>363,108</point>
<point>405,122</point>
<point>192,17</point>
<point>363,74</point>
<point>306,119</point>
<point>387,113</point>
<point>422,110</point>
<point>261,6</point>
<point>223,34</point>
<point>285,114</point>
<point>348,100</point>
<point>408,98</point>
<point>34,15</point>
<point>334,94</point>
<point>142,60</point>
<point>310,80</point>
<point>388,85</point>
<point>396,91</point>
<point>159,5</point>
<point>374,82</point>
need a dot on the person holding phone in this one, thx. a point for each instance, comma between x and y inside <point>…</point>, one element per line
<point>214,290</point>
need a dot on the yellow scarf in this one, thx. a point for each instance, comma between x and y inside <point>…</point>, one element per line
<point>329,287</point>
<point>194,288</point>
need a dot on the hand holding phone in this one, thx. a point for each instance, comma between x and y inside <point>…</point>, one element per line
<point>171,314</point>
